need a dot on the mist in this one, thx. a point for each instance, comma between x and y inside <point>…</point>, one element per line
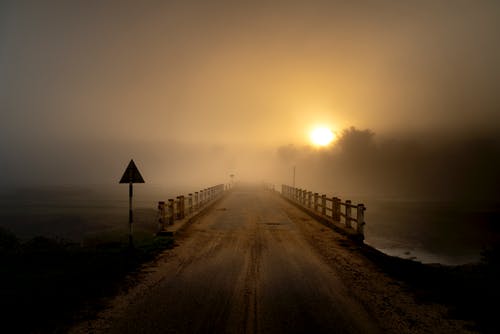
<point>194,92</point>
<point>424,166</point>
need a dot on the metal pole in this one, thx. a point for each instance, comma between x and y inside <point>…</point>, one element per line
<point>130,214</point>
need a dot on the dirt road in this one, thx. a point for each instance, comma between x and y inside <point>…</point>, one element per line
<point>254,264</point>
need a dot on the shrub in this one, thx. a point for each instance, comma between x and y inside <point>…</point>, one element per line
<point>9,243</point>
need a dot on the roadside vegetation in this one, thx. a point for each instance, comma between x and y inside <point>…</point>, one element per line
<point>47,284</point>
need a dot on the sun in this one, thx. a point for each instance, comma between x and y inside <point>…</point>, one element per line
<point>322,136</point>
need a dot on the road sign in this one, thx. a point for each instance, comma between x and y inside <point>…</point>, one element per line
<point>132,174</point>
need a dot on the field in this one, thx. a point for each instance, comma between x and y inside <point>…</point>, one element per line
<point>46,284</point>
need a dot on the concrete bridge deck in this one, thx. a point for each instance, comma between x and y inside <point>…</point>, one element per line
<point>254,263</point>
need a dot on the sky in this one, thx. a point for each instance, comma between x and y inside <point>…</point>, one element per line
<point>196,90</point>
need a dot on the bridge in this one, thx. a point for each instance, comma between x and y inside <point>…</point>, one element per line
<point>255,260</point>
<point>330,211</point>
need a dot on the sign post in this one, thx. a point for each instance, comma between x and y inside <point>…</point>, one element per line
<point>131,176</point>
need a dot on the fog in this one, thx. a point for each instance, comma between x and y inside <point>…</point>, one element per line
<point>424,167</point>
<point>194,91</point>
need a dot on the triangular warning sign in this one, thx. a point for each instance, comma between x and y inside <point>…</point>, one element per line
<point>132,174</point>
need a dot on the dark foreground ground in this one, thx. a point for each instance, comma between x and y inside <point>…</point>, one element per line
<point>47,284</point>
<point>253,264</point>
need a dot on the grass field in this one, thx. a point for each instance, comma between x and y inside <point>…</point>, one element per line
<point>47,284</point>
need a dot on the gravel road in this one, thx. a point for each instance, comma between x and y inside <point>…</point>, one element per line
<point>256,264</point>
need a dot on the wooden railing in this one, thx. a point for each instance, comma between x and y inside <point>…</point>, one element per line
<point>184,206</point>
<point>331,208</point>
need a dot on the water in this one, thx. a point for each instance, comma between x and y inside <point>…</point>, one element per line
<point>446,232</point>
<point>426,231</point>
<point>74,213</point>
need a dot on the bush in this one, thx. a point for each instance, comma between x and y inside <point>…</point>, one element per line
<point>9,243</point>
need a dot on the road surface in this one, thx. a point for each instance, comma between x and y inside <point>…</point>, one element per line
<point>248,266</point>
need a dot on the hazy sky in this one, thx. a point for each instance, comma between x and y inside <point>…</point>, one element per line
<point>87,83</point>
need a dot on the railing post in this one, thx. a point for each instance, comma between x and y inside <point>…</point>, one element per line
<point>348,213</point>
<point>336,209</point>
<point>190,203</point>
<point>323,205</point>
<point>171,211</point>
<point>315,201</point>
<point>309,199</point>
<point>183,206</point>
<point>361,219</point>
<point>178,208</point>
<point>196,199</point>
<point>161,216</point>
<point>304,198</point>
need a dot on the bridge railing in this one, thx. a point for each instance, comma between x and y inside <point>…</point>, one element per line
<point>182,206</point>
<point>331,208</point>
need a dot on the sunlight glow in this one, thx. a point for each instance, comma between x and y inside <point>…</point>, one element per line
<point>322,136</point>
